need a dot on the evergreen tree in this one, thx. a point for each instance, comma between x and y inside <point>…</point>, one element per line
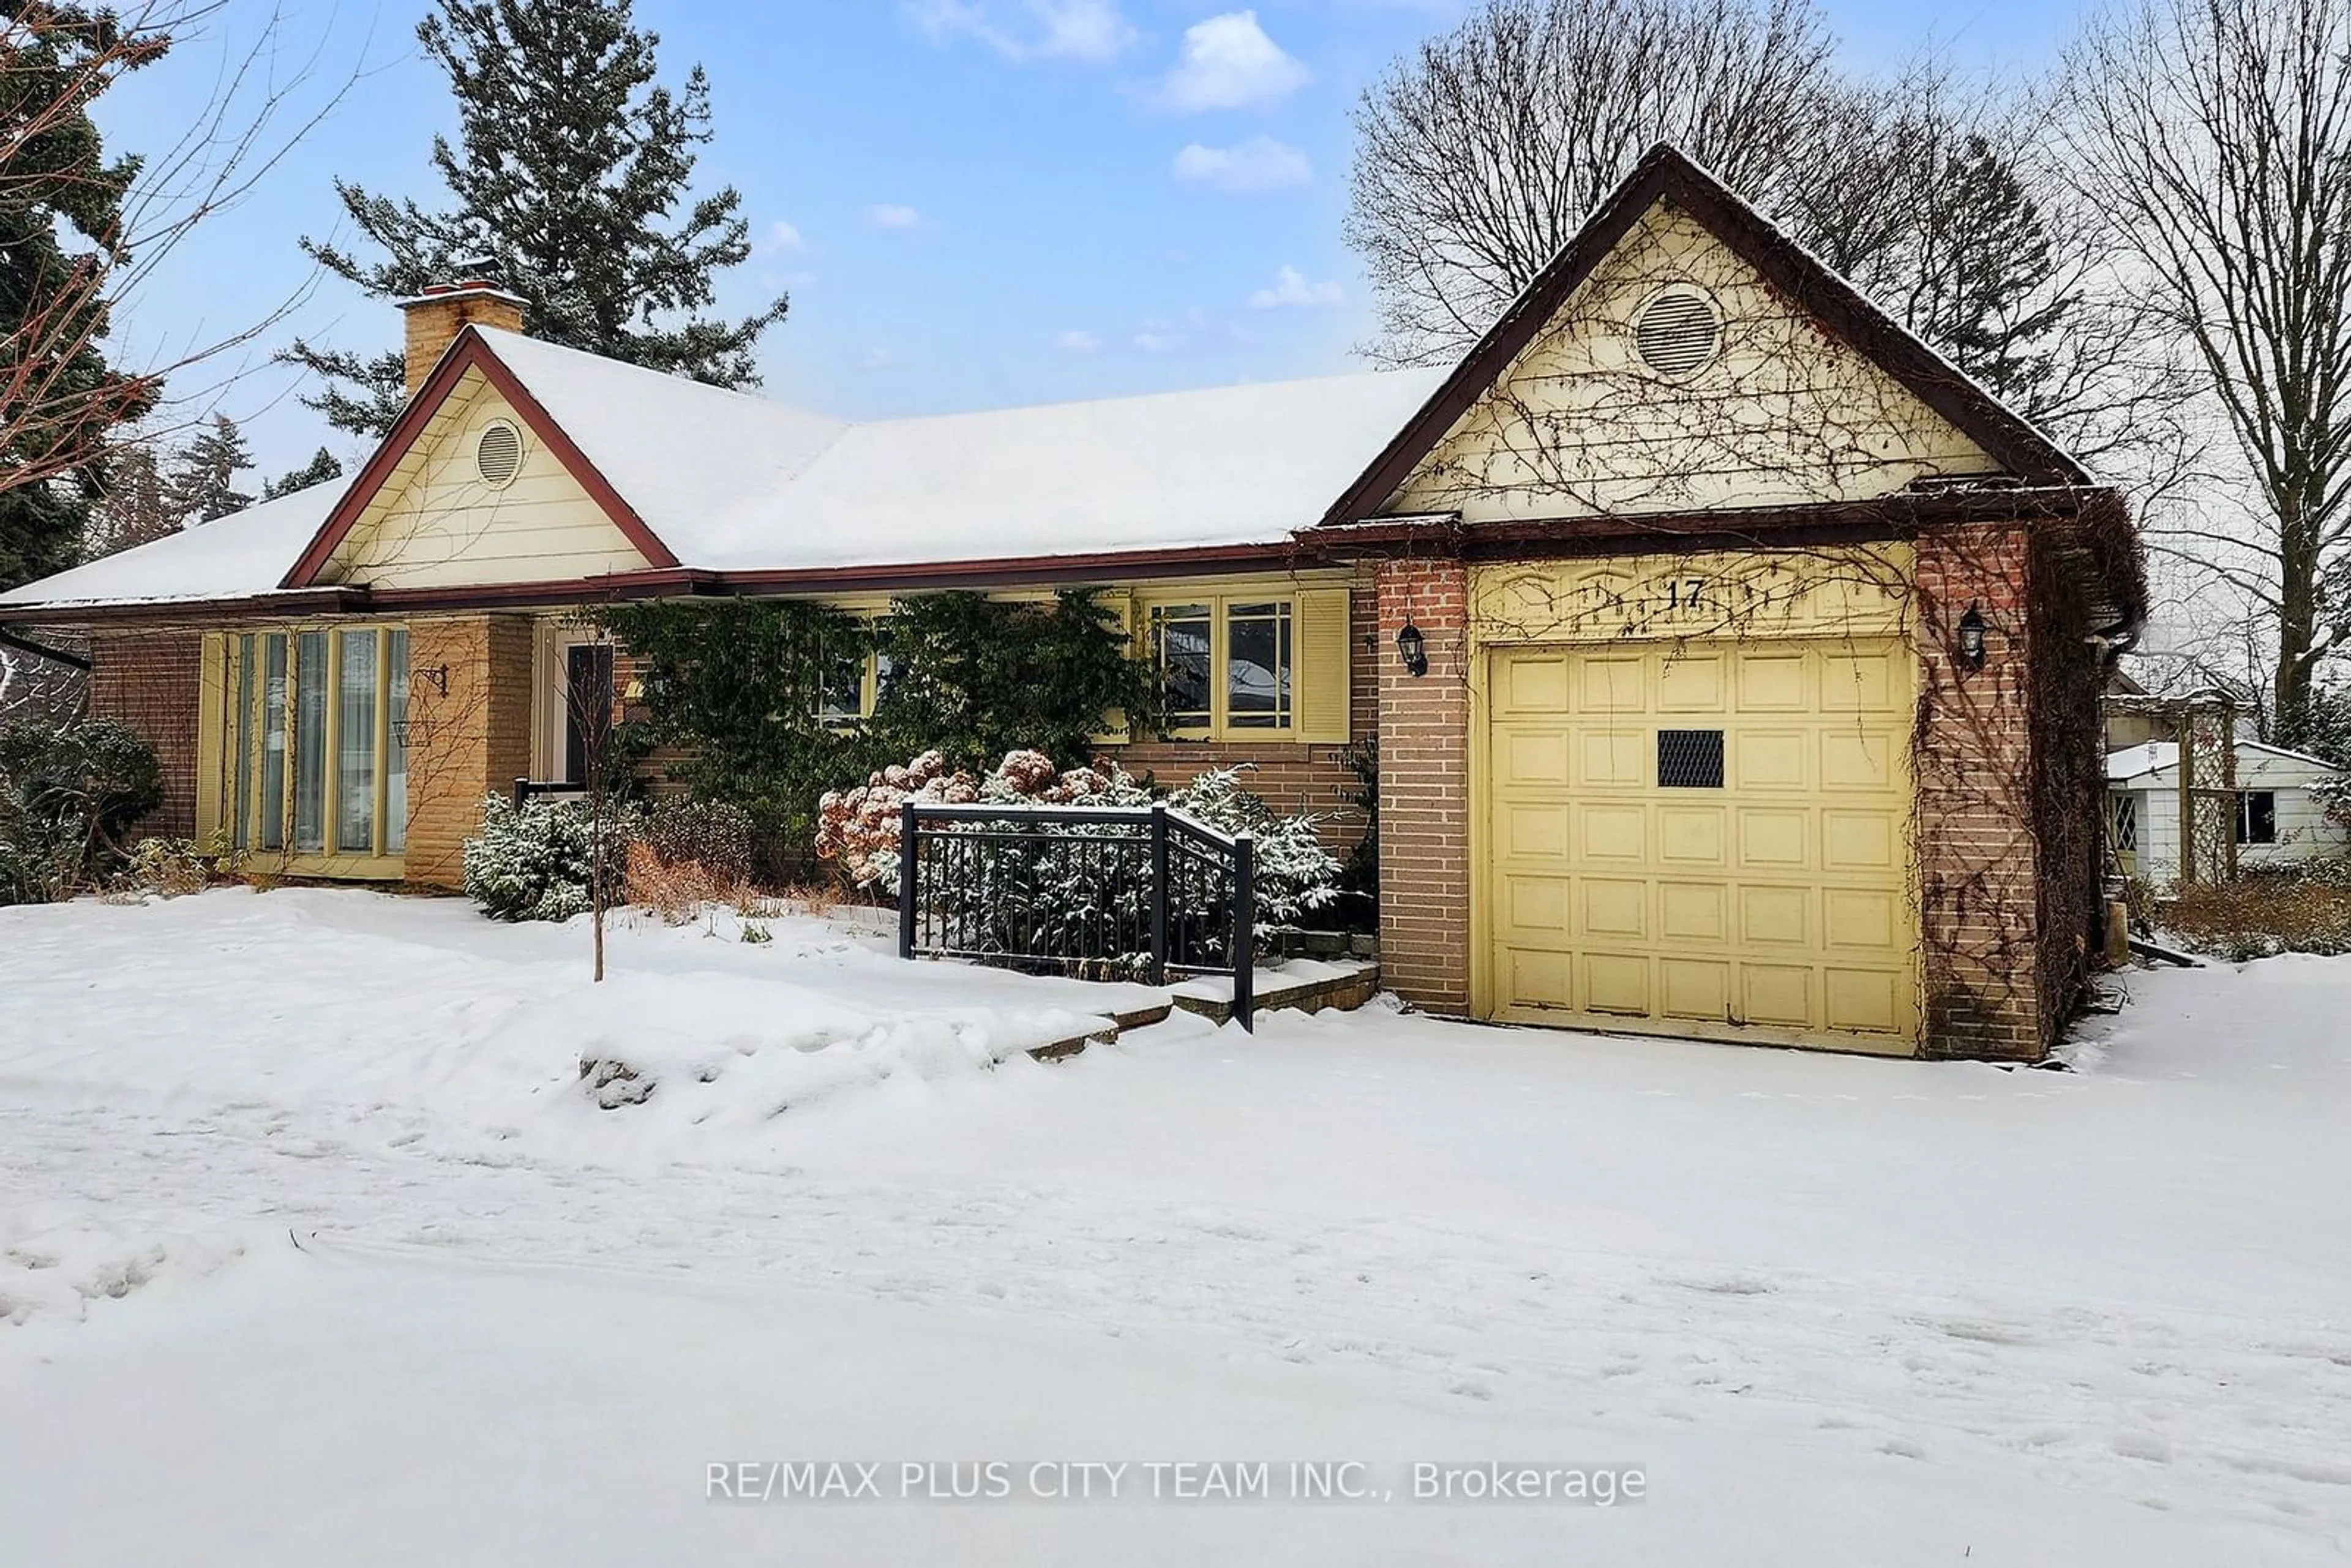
<point>60,233</point>
<point>570,169</point>
<point>318,471</point>
<point>1989,293</point>
<point>202,483</point>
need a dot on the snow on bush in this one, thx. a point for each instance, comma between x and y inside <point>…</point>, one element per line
<point>2332,794</point>
<point>858,829</point>
<point>533,861</point>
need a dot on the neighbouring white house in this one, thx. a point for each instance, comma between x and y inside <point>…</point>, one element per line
<point>2279,820</point>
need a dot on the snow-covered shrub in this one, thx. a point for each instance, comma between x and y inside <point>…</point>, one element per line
<point>1046,896</point>
<point>1294,874</point>
<point>2332,794</point>
<point>69,796</point>
<point>858,829</point>
<point>534,862</point>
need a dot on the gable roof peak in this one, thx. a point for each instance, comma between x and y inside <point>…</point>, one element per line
<point>1665,174</point>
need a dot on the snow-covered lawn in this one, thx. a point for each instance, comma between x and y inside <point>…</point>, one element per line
<point>315,1250</point>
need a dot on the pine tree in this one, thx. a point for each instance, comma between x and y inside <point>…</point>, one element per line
<point>570,169</point>
<point>202,483</point>
<point>1987,294</point>
<point>318,471</point>
<point>62,399</point>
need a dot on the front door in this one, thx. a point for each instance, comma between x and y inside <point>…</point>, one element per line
<point>587,707</point>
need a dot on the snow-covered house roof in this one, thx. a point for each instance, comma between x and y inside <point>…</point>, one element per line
<point>2155,765</point>
<point>727,482</point>
<point>735,483</point>
<point>242,555</point>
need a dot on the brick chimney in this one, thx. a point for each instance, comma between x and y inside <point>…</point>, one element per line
<point>436,316</point>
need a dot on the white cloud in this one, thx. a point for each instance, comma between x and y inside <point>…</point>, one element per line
<point>1157,342</point>
<point>1247,167</point>
<point>888,215</point>
<point>1227,62</point>
<point>782,236</point>
<point>1078,342</point>
<point>1291,290</point>
<point>877,359</point>
<point>1088,31</point>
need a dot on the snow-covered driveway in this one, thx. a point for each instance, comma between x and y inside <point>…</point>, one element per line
<point>1837,1310</point>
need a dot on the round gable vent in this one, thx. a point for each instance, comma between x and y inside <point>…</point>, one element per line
<point>1678,332</point>
<point>497,455</point>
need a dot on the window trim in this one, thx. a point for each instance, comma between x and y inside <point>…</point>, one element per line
<point>2244,819</point>
<point>869,678</point>
<point>1219,600</point>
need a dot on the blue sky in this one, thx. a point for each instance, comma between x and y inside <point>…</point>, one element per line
<point>972,202</point>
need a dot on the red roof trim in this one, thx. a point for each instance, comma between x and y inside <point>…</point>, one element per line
<point>469,351</point>
<point>1665,174</point>
<point>918,577</point>
<point>1011,571</point>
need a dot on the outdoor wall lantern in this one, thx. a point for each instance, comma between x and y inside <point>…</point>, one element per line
<point>438,675</point>
<point>1413,649</point>
<point>1972,639</point>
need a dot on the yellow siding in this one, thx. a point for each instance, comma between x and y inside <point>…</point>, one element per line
<point>437,525</point>
<point>1856,589</point>
<point>1785,415</point>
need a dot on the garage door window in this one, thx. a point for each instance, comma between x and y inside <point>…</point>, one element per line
<point>1689,758</point>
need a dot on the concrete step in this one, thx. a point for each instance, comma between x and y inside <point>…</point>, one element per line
<point>1304,985</point>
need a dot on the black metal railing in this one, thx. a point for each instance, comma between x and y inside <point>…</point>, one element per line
<point>1135,893</point>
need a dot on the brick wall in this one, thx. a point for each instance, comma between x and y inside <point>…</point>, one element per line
<point>2069,786</point>
<point>1424,730</point>
<point>1978,854</point>
<point>147,679</point>
<point>468,742</point>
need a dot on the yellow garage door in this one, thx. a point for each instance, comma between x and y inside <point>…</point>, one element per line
<point>1703,839</point>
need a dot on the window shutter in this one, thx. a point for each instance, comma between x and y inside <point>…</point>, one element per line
<point>1323,656</point>
<point>1119,604</point>
<point>212,740</point>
